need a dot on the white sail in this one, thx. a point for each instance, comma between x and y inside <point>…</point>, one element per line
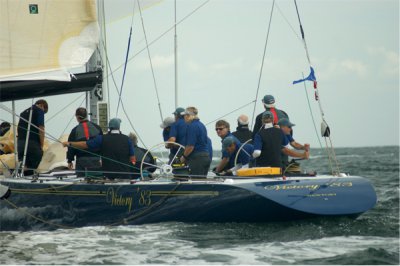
<point>42,39</point>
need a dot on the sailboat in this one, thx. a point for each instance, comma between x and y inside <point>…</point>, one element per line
<point>60,199</point>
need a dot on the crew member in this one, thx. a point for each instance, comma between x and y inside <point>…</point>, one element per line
<point>286,127</point>
<point>36,135</point>
<point>116,149</point>
<point>270,142</point>
<point>178,131</point>
<point>232,147</point>
<point>149,161</point>
<point>243,133</point>
<point>85,130</point>
<point>166,126</point>
<point>210,148</point>
<point>4,128</point>
<point>269,105</point>
<point>222,128</point>
<point>196,152</point>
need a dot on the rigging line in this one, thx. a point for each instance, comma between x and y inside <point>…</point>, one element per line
<point>162,35</point>
<point>302,33</point>
<point>36,217</point>
<point>126,58</point>
<point>334,156</point>
<point>241,107</point>
<point>5,108</point>
<point>151,63</point>
<point>122,102</point>
<point>311,113</point>
<point>76,148</point>
<point>287,21</point>
<point>329,156</point>
<point>318,98</point>
<point>65,107</point>
<point>309,61</point>
<point>262,63</point>
<point>72,117</point>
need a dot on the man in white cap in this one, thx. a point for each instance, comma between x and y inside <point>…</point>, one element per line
<point>166,126</point>
<point>197,147</point>
<point>116,150</point>
<point>243,133</point>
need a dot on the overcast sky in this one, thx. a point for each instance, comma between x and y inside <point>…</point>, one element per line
<point>354,48</point>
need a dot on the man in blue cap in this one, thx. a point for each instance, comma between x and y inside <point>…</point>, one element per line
<point>116,150</point>
<point>270,143</point>
<point>231,145</point>
<point>178,130</point>
<point>269,105</point>
<point>286,127</point>
<point>222,128</point>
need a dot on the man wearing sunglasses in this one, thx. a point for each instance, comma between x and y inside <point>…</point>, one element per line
<point>222,128</point>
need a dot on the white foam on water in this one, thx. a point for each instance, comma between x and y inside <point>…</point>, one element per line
<point>159,244</point>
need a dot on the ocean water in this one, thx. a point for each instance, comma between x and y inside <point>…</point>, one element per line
<point>372,238</point>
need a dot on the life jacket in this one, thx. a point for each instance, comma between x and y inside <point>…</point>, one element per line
<point>86,130</point>
<point>278,114</point>
<point>271,147</point>
<point>115,156</point>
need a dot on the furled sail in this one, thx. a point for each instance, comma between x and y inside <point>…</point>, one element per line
<point>42,39</point>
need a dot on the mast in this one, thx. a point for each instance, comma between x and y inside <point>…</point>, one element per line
<point>176,60</point>
<point>98,107</point>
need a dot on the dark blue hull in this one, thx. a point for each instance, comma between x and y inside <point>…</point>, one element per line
<point>76,205</point>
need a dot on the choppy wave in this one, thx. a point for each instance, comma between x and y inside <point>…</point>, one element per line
<point>373,238</point>
<point>166,243</point>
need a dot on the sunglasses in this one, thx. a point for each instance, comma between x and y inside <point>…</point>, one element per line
<point>219,128</point>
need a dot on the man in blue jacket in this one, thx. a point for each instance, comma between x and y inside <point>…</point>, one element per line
<point>196,152</point>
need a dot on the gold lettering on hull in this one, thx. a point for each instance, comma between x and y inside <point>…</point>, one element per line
<point>311,187</point>
<point>118,200</point>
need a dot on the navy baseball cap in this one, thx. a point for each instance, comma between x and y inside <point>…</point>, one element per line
<point>268,114</point>
<point>268,99</point>
<point>285,122</point>
<point>114,123</point>
<point>228,141</point>
<point>179,111</point>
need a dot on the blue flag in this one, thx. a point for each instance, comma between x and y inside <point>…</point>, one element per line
<point>310,77</point>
